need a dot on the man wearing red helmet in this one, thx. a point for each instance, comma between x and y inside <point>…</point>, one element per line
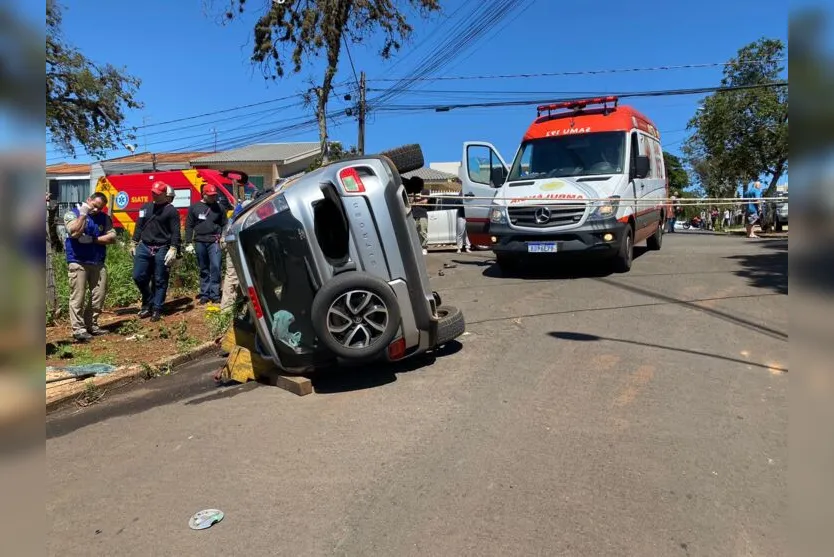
<point>204,224</point>
<point>156,240</point>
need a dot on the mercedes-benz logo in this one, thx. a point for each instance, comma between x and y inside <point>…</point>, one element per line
<point>542,215</point>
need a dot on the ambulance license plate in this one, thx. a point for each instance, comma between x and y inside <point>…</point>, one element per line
<point>542,247</point>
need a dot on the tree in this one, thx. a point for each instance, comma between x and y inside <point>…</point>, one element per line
<point>678,178</point>
<point>310,27</point>
<point>85,102</point>
<point>742,134</point>
<point>336,153</point>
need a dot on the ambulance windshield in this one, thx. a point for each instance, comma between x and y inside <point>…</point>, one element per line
<point>589,154</point>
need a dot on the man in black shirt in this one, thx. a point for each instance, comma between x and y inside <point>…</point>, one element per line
<point>156,240</point>
<point>204,224</point>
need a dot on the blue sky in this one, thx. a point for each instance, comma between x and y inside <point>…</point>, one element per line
<point>191,64</point>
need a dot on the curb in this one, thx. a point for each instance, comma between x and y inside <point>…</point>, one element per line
<point>129,374</point>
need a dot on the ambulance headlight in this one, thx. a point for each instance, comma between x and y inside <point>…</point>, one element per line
<point>606,209</point>
<point>497,215</point>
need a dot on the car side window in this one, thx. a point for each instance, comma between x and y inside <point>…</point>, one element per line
<point>484,166</point>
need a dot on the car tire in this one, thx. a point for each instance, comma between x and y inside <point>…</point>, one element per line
<point>625,255</point>
<point>406,158</point>
<point>451,324</point>
<point>356,316</point>
<point>655,241</point>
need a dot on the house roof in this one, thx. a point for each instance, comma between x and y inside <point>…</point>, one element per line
<point>66,168</point>
<point>279,153</point>
<point>430,175</point>
<point>161,158</point>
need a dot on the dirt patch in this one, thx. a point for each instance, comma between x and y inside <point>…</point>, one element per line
<point>130,340</point>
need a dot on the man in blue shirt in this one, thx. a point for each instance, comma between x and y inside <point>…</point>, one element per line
<point>753,207</point>
<point>89,231</point>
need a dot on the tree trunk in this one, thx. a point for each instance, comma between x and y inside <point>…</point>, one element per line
<point>777,173</point>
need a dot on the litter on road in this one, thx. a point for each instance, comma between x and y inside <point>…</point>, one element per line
<point>205,519</point>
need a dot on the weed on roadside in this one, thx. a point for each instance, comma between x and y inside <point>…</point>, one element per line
<point>132,327</point>
<point>184,341</point>
<point>91,395</point>
<point>218,321</point>
<point>150,371</point>
<point>164,331</point>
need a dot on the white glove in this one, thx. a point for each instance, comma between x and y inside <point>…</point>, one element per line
<point>83,209</point>
<point>189,248</point>
<point>170,256</point>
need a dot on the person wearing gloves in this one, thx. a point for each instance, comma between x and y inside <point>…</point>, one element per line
<point>204,225</point>
<point>89,231</point>
<point>156,240</point>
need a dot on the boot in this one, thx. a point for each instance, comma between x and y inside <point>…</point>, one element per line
<point>157,315</point>
<point>145,312</point>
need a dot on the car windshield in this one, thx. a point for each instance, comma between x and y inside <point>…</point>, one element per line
<point>278,257</point>
<point>587,154</point>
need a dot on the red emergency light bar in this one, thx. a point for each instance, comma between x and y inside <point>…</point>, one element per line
<point>575,104</point>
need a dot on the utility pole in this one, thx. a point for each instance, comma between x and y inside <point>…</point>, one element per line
<point>361,143</point>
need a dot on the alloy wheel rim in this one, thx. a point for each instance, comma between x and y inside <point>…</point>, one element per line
<point>357,319</point>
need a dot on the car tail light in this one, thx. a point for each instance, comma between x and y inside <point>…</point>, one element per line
<point>265,210</point>
<point>396,350</point>
<point>351,181</point>
<point>256,303</point>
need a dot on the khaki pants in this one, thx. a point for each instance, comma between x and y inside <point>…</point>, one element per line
<point>423,231</point>
<point>81,279</point>
<point>230,284</point>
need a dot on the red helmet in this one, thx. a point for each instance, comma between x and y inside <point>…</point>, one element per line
<point>159,188</point>
<point>209,189</point>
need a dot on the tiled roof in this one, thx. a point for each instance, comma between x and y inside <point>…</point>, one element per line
<point>160,157</point>
<point>67,168</point>
<point>262,152</point>
<point>430,175</point>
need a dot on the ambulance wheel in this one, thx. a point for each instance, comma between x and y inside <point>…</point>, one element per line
<point>406,158</point>
<point>451,324</point>
<point>625,255</point>
<point>655,241</point>
<point>356,315</point>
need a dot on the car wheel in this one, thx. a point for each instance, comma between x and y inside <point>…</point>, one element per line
<point>356,315</point>
<point>625,255</point>
<point>451,324</point>
<point>655,241</point>
<point>406,158</point>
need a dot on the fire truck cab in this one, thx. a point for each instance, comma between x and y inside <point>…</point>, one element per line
<point>588,178</point>
<point>127,193</point>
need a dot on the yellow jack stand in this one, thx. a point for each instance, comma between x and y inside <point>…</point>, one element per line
<point>245,364</point>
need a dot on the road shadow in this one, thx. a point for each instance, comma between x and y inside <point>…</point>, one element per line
<point>724,316</point>
<point>765,270</point>
<point>138,396</point>
<point>345,379</point>
<point>582,337</point>
<point>559,267</point>
<point>171,307</point>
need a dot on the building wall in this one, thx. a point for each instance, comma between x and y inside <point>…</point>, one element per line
<point>449,167</point>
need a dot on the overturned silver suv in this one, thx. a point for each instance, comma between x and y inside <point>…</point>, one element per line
<point>332,269</point>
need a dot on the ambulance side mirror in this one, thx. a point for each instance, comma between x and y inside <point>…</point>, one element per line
<point>641,167</point>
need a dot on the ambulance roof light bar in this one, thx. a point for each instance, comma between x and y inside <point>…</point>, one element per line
<point>576,104</point>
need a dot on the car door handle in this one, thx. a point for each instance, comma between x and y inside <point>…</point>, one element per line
<point>470,194</point>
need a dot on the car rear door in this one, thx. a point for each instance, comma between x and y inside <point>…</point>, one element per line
<point>482,172</point>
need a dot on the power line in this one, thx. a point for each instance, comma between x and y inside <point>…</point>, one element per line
<point>660,93</point>
<point>574,73</point>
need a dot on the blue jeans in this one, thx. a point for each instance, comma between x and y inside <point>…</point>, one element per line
<point>149,267</point>
<point>208,258</point>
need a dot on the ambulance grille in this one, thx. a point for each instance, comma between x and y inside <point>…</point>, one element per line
<point>544,216</point>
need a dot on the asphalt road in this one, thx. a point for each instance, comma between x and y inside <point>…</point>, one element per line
<point>582,414</point>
